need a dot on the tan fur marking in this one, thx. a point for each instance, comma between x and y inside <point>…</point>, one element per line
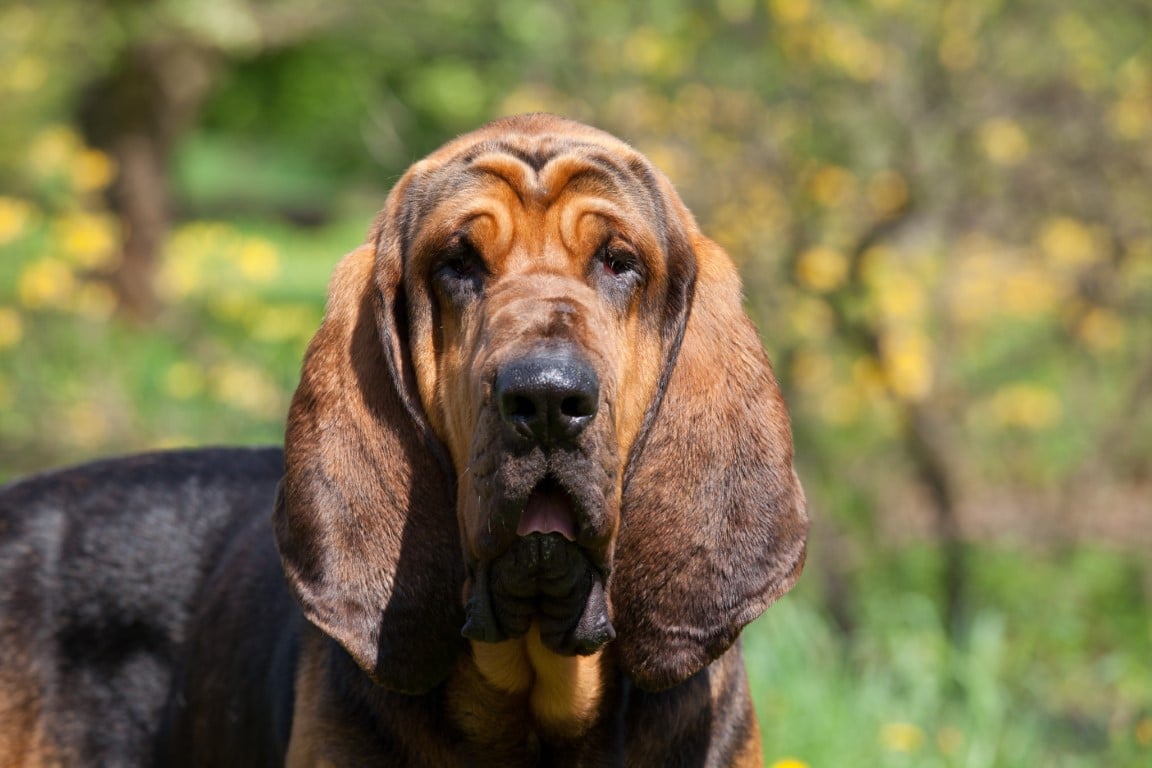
<point>567,689</point>
<point>304,743</point>
<point>23,740</point>
<point>725,675</point>
<point>312,731</point>
<point>505,665</point>
<point>563,691</point>
<point>752,755</point>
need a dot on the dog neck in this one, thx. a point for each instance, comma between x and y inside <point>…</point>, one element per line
<point>562,693</point>
<point>505,704</point>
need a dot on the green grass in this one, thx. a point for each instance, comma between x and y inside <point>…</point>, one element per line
<point>1055,669</point>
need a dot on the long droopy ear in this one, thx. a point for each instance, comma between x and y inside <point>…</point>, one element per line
<point>366,523</point>
<point>713,523</point>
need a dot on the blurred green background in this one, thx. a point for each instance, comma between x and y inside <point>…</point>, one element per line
<point>942,210</point>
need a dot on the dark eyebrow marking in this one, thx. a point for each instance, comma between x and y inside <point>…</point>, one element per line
<point>536,159</point>
<point>648,181</point>
<point>606,166</point>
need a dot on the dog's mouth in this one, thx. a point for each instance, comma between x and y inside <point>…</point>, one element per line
<point>545,575</point>
<point>549,509</point>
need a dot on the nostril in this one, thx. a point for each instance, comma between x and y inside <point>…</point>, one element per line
<point>547,397</point>
<point>519,407</point>
<point>577,406</point>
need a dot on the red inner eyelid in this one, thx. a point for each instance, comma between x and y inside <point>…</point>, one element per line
<point>616,253</point>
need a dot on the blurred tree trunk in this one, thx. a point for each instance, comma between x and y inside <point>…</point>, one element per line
<point>926,441</point>
<point>135,112</point>
<point>925,438</point>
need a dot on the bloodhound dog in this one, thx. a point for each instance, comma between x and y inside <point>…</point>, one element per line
<point>537,477</point>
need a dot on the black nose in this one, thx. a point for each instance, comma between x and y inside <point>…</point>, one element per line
<point>548,397</point>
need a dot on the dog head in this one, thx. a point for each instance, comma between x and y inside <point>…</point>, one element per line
<point>535,399</point>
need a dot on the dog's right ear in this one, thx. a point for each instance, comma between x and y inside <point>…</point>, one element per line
<point>713,523</point>
<point>365,521</point>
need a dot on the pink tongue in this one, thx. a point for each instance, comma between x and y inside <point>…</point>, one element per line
<point>548,512</point>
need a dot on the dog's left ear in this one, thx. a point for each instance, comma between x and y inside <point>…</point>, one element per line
<point>713,522</point>
<point>365,522</point>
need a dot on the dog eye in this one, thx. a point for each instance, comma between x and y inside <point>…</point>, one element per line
<point>618,262</point>
<point>460,270</point>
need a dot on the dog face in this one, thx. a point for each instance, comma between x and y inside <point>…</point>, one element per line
<point>539,280</point>
<point>535,401</point>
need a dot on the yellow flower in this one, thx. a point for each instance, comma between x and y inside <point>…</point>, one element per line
<point>1029,292</point>
<point>45,283</point>
<point>789,762</point>
<point>1131,115</point>
<point>848,49</point>
<point>284,323</point>
<point>868,377</point>
<point>1028,406</point>
<point>900,296</point>
<point>1067,242</point>
<point>27,74</point>
<point>1102,329</point>
<point>246,388</point>
<point>11,327</point>
<point>90,240</point>
<point>1004,141</point>
<point>52,149</point>
<point>876,264</point>
<point>258,261</point>
<point>790,11</point>
<point>907,364</point>
<point>822,268</point>
<point>14,216</point>
<point>901,737</point>
<point>832,186</point>
<point>180,277</point>
<point>92,170</point>
<point>1143,732</point>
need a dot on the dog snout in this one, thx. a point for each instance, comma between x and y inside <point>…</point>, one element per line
<point>549,398</point>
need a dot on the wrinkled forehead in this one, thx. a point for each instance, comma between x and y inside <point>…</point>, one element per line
<point>535,171</point>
